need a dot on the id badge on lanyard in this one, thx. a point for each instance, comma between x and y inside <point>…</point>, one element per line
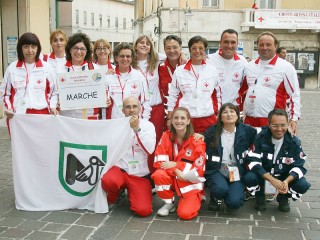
<point>21,103</point>
<point>21,106</point>
<point>252,99</point>
<point>133,167</point>
<point>234,174</point>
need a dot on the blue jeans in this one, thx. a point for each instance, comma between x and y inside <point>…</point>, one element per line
<point>221,188</point>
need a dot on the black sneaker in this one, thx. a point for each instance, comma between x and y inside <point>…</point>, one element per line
<point>214,204</point>
<point>248,196</point>
<point>283,203</point>
<point>260,203</point>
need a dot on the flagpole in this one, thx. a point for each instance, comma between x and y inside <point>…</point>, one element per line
<point>84,113</point>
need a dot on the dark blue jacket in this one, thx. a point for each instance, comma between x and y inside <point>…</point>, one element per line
<point>244,138</point>
<point>290,159</point>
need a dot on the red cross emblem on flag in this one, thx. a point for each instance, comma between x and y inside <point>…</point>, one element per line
<point>206,84</point>
<point>134,86</point>
<point>62,80</point>
<point>39,81</point>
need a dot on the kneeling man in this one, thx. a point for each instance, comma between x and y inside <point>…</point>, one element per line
<point>131,172</point>
<point>278,159</point>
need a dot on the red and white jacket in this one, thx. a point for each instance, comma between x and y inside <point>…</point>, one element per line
<point>106,67</point>
<point>36,88</point>
<point>201,96</point>
<point>191,155</point>
<point>275,86</point>
<point>152,80</point>
<point>230,79</point>
<point>134,85</point>
<point>56,63</point>
<point>166,72</point>
<point>144,144</point>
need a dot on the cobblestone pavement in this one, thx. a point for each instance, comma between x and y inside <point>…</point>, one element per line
<point>302,222</point>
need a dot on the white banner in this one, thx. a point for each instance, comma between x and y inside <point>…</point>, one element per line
<point>287,19</point>
<point>58,161</point>
<point>82,90</point>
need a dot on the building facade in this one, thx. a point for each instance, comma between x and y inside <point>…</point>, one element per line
<point>108,19</point>
<point>18,17</point>
<point>295,23</point>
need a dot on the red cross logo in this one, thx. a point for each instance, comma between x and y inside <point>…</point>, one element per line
<point>62,80</point>
<point>267,79</point>
<point>199,161</point>
<point>134,86</point>
<point>39,81</point>
<point>206,84</point>
<point>236,75</point>
<point>260,19</point>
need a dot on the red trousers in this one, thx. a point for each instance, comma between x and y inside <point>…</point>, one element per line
<point>158,120</point>
<point>201,124</point>
<point>256,122</point>
<point>139,190</point>
<point>188,206</point>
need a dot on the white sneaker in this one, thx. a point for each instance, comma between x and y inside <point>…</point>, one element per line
<point>166,209</point>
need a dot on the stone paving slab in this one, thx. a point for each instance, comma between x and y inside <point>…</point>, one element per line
<point>301,223</point>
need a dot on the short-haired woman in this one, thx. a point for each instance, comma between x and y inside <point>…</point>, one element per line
<point>28,84</point>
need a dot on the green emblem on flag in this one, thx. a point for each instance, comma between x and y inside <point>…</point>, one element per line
<point>80,167</point>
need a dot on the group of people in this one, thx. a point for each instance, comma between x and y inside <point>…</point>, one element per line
<point>186,116</point>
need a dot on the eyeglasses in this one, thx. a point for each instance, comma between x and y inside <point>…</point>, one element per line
<point>76,49</point>
<point>124,56</point>
<point>100,49</point>
<point>279,125</point>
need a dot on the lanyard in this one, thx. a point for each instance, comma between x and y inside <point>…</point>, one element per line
<point>170,72</point>
<point>258,75</point>
<point>27,79</point>
<point>197,77</point>
<point>145,75</point>
<point>122,87</point>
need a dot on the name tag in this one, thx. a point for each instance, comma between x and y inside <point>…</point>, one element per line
<point>234,174</point>
<point>133,167</point>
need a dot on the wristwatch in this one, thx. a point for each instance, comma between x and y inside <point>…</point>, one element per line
<point>138,130</point>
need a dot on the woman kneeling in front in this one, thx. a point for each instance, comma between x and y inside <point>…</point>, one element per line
<point>180,162</point>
